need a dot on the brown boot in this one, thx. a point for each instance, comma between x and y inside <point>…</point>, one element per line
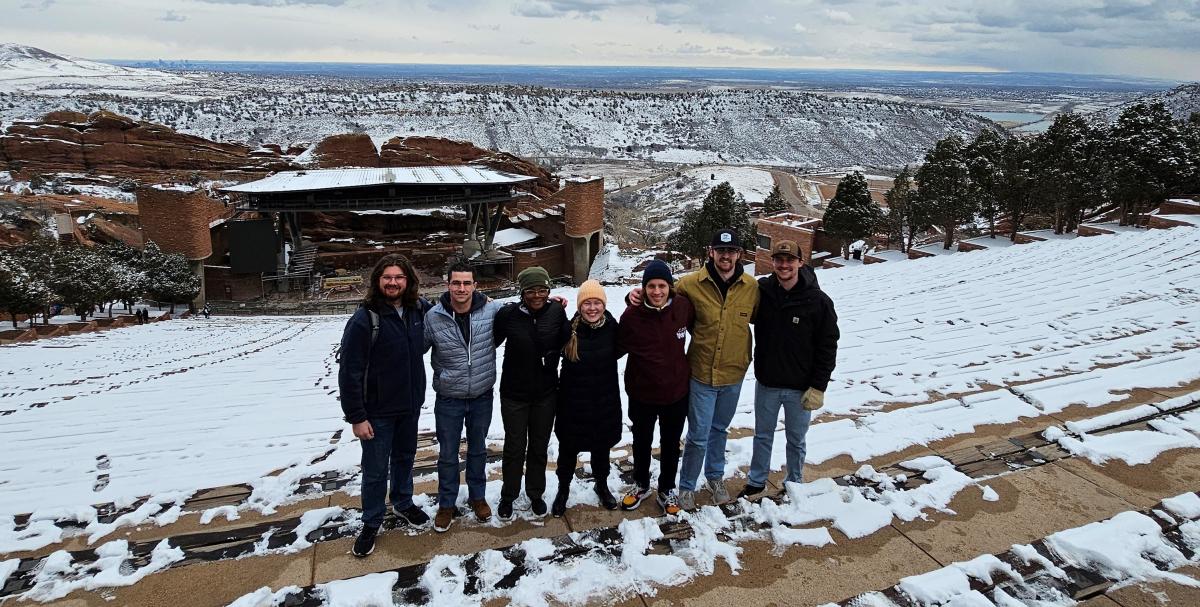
<point>444,518</point>
<point>482,511</point>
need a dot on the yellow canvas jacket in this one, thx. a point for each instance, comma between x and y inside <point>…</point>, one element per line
<point>721,344</point>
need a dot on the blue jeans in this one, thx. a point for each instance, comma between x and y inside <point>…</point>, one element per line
<point>767,401</point>
<point>394,447</point>
<point>710,409</point>
<point>450,415</point>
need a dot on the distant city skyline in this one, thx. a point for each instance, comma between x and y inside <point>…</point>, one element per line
<point>1144,38</point>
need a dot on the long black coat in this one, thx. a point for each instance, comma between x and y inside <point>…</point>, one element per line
<point>589,398</point>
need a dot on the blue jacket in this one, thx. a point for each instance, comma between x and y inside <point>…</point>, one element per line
<point>462,370</point>
<point>395,382</point>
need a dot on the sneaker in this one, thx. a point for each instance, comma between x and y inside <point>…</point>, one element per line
<point>607,501</point>
<point>560,504</point>
<point>364,544</point>
<point>538,506</point>
<point>720,494</point>
<point>444,518</point>
<point>687,499</point>
<point>482,511</point>
<point>669,502</point>
<point>634,498</point>
<point>504,511</point>
<point>750,491</point>
<point>412,515</point>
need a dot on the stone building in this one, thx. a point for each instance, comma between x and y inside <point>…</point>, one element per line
<point>805,231</point>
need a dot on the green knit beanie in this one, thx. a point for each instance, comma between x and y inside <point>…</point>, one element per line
<point>536,276</point>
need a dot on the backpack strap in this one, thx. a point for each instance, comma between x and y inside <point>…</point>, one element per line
<point>374,316</point>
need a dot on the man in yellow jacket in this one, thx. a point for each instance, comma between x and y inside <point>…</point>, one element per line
<point>725,299</point>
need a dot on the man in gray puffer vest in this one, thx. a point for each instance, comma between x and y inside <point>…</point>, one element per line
<point>459,328</point>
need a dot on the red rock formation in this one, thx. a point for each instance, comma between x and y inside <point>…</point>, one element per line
<point>421,151</point>
<point>346,150</point>
<point>69,141</point>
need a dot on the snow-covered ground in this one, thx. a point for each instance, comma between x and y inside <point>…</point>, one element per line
<point>166,409</point>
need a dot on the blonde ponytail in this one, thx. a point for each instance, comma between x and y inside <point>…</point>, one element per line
<point>571,350</point>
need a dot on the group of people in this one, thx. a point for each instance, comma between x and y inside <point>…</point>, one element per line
<point>560,376</point>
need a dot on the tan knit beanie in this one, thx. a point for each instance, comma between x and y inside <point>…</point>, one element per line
<point>591,290</point>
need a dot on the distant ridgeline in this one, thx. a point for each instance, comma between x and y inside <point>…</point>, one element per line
<point>740,126</point>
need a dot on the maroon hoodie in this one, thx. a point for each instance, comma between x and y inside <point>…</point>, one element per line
<point>657,370</point>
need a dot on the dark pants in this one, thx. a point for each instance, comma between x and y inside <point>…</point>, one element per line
<point>670,420</point>
<point>394,447</point>
<point>451,415</point>
<point>568,458</point>
<point>527,427</point>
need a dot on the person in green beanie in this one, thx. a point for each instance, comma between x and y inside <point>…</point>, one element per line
<point>536,329</point>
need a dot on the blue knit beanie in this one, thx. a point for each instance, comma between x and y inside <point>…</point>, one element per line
<point>657,269</point>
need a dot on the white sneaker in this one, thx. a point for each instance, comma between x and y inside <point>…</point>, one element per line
<point>720,495</point>
<point>687,499</point>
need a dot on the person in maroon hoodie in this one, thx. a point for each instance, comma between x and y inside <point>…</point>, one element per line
<point>656,379</point>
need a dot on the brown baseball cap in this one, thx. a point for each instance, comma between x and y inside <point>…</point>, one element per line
<point>785,247</point>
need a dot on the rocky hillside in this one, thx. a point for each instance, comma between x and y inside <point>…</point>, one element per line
<point>1182,101</point>
<point>758,126</point>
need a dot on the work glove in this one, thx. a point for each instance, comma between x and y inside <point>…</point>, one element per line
<point>813,399</point>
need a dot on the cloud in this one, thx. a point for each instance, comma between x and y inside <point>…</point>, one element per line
<point>537,10</point>
<point>38,6</point>
<point>278,3</point>
<point>173,16</point>
<point>837,16</point>
<point>799,28</point>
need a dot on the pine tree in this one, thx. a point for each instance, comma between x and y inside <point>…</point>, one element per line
<point>1150,156</point>
<point>722,208</point>
<point>1015,182</point>
<point>897,222</point>
<point>774,203</point>
<point>169,276</point>
<point>983,163</point>
<point>944,198</point>
<point>1069,171</point>
<point>851,214</point>
<point>20,292</point>
<point>82,279</point>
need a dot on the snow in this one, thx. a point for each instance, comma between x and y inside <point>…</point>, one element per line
<point>173,407</point>
<point>1188,219</point>
<point>1129,547</point>
<point>24,68</point>
<point>334,179</point>
<point>512,236</point>
<point>1186,505</point>
<point>372,590</point>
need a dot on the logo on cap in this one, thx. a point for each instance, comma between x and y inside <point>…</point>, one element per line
<point>726,237</point>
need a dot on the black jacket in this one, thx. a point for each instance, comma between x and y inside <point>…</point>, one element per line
<point>589,398</point>
<point>795,334</point>
<point>395,382</point>
<point>535,341</point>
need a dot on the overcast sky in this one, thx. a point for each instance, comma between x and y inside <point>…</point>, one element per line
<point>1149,38</point>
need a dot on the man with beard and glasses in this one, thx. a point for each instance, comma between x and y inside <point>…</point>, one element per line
<point>381,381</point>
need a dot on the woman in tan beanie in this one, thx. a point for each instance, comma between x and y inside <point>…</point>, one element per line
<point>589,398</point>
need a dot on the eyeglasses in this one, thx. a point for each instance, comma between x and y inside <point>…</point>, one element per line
<point>394,278</point>
<point>537,291</point>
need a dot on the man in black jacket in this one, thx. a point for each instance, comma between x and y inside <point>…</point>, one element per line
<point>381,381</point>
<point>795,350</point>
<point>535,329</point>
